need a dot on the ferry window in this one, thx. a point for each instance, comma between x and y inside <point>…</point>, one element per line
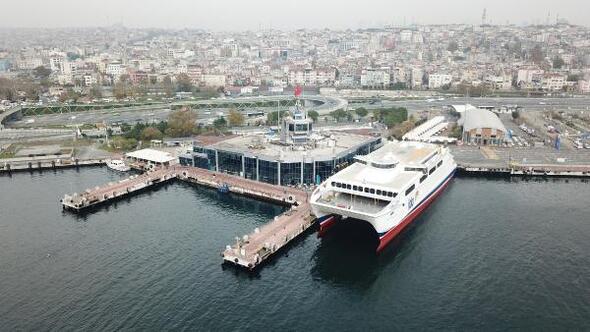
<point>423,178</point>
<point>333,184</point>
<point>372,191</point>
<point>366,190</point>
<point>389,194</point>
<point>360,188</point>
<point>432,170</point>
<point>439,164</point>
<point>338,185</point>
<point>348,187</point>
<point>378,192</point>
<point>409,191</point>
<point>355,188</point>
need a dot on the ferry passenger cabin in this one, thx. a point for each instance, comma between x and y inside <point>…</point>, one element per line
<point>389,174</point>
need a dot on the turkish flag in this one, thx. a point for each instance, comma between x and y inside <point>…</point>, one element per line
<point>298,91</point>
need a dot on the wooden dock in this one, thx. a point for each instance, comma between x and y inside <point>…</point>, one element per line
<point>250,250</point>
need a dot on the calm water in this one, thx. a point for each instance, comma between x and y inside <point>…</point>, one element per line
<point>489,254</point>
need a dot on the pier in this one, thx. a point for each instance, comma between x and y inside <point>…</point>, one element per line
<point>116,190</point>
<point>249,251</point>
<point>39,164</point>
<point>253,249</point>
<point>537,170</point>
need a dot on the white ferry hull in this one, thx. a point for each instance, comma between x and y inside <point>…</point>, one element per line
<point>391,219</point>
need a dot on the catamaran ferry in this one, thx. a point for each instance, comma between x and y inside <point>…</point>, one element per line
<point>388,188</point>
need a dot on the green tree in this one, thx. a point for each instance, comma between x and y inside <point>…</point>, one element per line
<point>235,118</point>
<point>181,123</point>
<point>391,116</point>
<point>361,112</point>
<point>314,115</point>
<point>272,117</point>
<point>399,86</point>
<point>220,123</point>
<point>515,114</point>
<point>558,62</point>
<point>339,114</point>
<point>41,72</point>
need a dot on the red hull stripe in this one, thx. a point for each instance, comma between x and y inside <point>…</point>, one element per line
<point>392,233</point>
<point>325,225</point>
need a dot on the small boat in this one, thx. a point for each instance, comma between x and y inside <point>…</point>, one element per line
<point>118,165</point>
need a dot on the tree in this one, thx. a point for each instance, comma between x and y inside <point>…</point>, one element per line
<point>235,118</point>
<point>168,86</point>
<point>181,123</point>
<point>122,88</point>
<point>453,46</point>
<point>515,114</point>
<point>220,123</point>
<point>125,144</point>
<point>399,130</point>
<point>399,86</point>
<point>184,83</point>
<point>95,91</point>
<point>391,116</point>
<point>558,62</point>
<point>8,89</point>
<point>361,112</point>
<point>339,114</point>
<point>314,115</point>
<point>151,133</point>
<point>41,72</point>
<point>273,117</point>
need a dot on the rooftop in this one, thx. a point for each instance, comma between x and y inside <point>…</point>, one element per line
<point>480,118</point>
<point>152,155</point>
<point>326,146</point>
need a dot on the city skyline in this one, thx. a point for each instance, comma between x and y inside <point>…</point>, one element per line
<point>264,14</point>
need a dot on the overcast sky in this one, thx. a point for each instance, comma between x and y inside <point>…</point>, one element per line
<point>285,14</point>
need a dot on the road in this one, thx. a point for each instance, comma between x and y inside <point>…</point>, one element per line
<point>160,113</point>
<point>157,113</point>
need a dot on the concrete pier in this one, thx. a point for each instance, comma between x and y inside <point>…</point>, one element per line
<point>38,165</point>
<point>101,195</point>
<point>537,170</point>
<point>253,249</point>
<point>250,250</point>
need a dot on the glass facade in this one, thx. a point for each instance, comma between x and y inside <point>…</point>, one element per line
<point>308,173</point>
<point>290,174</point>
<point>250,168</point>
<point>324,169</point>
<point>229,162</point>
<point>268,171</point>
